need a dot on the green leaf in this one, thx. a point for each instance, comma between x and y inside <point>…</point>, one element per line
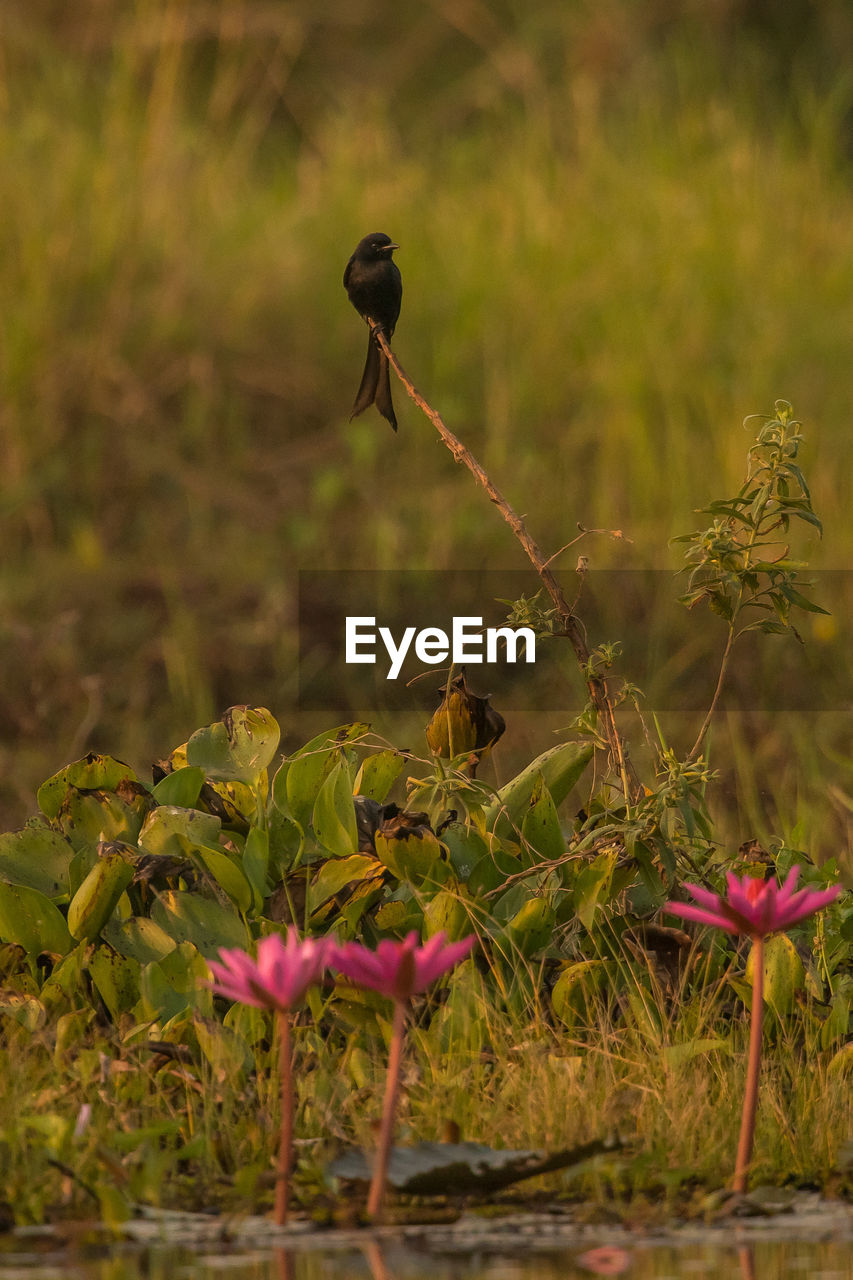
<point>308,769</point>
<point>37,858</point>
<point>532,927</point>
<point>336,873</point>
<point>465,847</point>
<point>93,772</point>
<point>797,598</point>
<point>447,912</point>
<point>116,978</point>
<point>378,773</point>
<point>181,788</point>
<point>415,857</point>
<point>187,917</point>
<point>98,895</point>
<point>87,817</point>
<point>138,938</point>
<point>574,997</point>
<point>492,870</point>
<point>255,864</point>
<point>237,748</point>
<point>784,974</point>
<point>174,832</point>
<point>30,920</point>
<point>333,816</point>
<point>228,875</point>
<point>675,1054</point>
<point>540,827</point>
<point>592,886</point>
<point>24,1009</point>
<point>561,767</point>
<point>225,1049</point>
<point>173,985</point>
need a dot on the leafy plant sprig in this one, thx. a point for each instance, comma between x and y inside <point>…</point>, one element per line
<point>741,560</point>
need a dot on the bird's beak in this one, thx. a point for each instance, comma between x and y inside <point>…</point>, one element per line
<point>389,248</point>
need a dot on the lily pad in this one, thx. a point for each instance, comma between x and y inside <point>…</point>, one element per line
<point>455,1168</point>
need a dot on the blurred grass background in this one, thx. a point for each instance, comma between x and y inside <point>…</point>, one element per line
<point>623,228</point>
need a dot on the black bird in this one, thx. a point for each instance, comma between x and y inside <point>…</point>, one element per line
<point>374,288</point>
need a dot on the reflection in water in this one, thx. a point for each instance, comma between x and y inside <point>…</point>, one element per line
<point>746,1258</point>
<point>724,1259</point>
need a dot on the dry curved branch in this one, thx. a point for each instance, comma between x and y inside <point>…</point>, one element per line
<point>568,621</point>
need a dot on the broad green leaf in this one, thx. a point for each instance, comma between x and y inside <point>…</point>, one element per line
<point>378,773</point>
<point>30,920</point>
<point>87,817</point>
<point>308,769</point>
<point>67,982</point>
<point>38,858</point>
<point>250,1024</point>
<point>492,870</point>
<point>116,978</point>
<point>465,847</point>
<point>139,938</point>
<point>93,772</point>
<point>187,917</point>
<point>574,997</point>
<point>447,912</point>
<point>398,918</point>
<point>540,827</point>
<point>239,747</point>
<point>333,817</point>
<point>336,873</point>
<point>592,887</point>
<point>228,875</point>
<point>561,767</point>
<point>171,986</point>
<point>255,864</point>
<point>176,832</point>
<point>687,1050</point>
<point>225,1049</point>
<point>181,788</point>
<point>98,895</point>
<point>414,857</point>
<point>784,974</point>
<point>532,927</point>
<point>24,1009</point>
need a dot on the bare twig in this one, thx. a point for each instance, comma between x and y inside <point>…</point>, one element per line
<point>569,623</point>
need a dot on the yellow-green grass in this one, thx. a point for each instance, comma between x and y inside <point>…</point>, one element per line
<point>605,268</point>
<point>669,1087</point>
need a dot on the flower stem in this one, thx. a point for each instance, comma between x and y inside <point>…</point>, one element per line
<point>750,1097</point>
<point>392,1092</point>
<point>285,1146</point>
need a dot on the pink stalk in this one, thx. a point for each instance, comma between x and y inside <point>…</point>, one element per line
<point>392,1093</point>
<point>753,1069</point>
<point>285,1146</point>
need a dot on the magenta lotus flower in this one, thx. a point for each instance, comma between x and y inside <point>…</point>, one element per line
<point>400,969</point>
<point>754,907</point>
<point>277,980</point>
<point>280,976</point>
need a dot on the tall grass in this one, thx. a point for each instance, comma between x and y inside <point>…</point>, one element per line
<point>202,1132</point>
<point>607,260</point>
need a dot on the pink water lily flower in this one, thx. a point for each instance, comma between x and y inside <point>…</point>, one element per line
<point>400,969</point>
<point>280,976</point>
<point>277,980</point>
<point>754,907</point>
